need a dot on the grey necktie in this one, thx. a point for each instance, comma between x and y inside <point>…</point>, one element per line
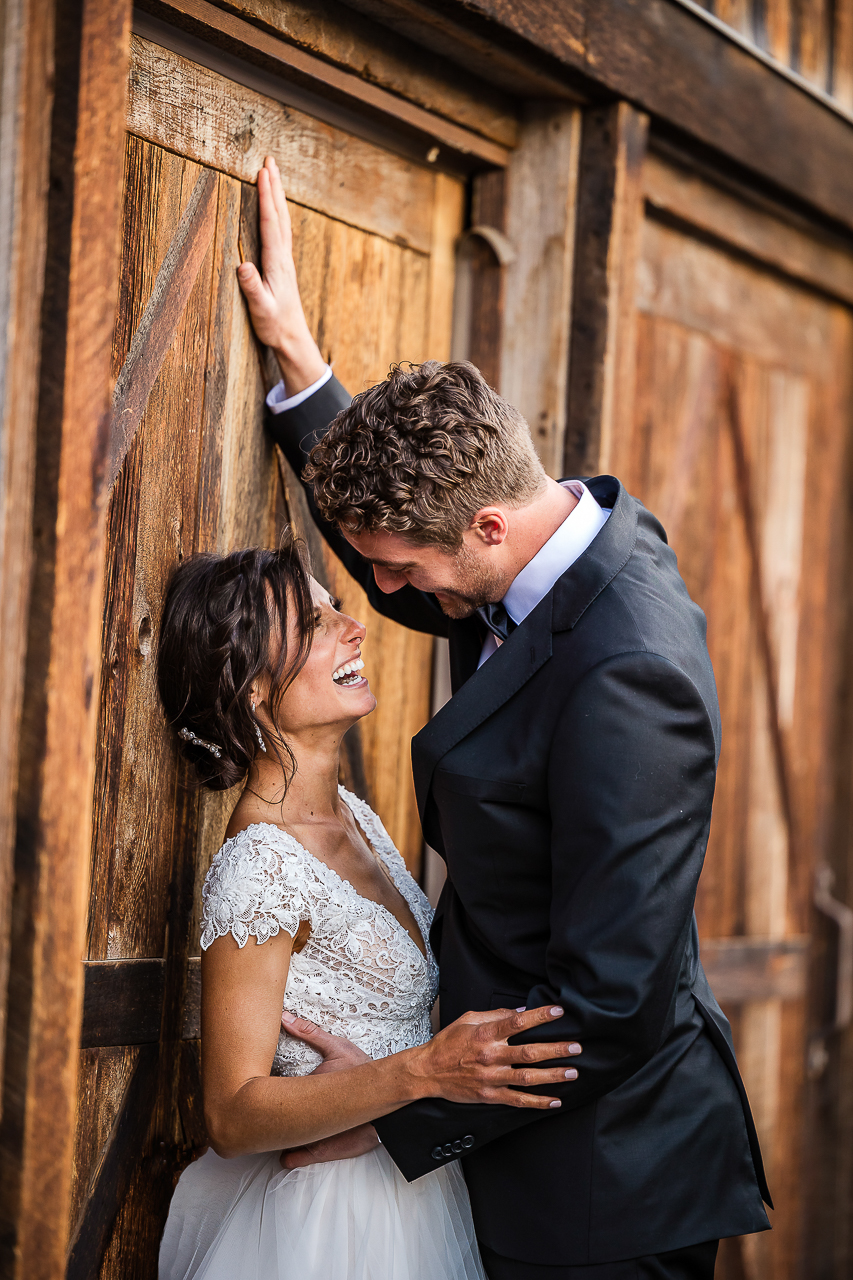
<point>498,620</point>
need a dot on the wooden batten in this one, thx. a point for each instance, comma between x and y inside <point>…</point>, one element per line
<point>540,226</point>
<point>340,36</point>
<point>24,158</point>
<point>246,45</point>
<point>609,220</point>
<point>61,692</point>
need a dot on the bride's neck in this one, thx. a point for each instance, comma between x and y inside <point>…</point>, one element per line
<point>312,791</point>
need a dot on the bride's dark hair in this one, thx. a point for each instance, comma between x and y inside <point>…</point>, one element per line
<point>220,616</point>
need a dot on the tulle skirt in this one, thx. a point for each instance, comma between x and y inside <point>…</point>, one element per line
<point>248,1219</point>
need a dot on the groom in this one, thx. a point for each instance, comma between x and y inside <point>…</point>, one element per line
<point>568,785</point>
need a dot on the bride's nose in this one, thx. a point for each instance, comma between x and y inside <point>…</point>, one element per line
<point>355,632</point>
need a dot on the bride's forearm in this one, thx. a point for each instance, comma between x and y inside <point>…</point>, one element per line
<point>269,1113</point>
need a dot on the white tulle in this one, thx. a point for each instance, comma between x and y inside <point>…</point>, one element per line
<point>359,975</point>
<point>246,1219</point>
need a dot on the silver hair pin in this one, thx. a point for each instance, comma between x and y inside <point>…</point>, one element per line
<point>189,736</point>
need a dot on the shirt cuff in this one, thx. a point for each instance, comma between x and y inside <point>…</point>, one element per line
<point>278,401</point>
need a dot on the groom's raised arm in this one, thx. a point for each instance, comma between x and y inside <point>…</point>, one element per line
<point>313,395</point>
<point>630,787</point>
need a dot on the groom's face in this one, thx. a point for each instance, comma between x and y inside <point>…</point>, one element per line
<point>461,580</point>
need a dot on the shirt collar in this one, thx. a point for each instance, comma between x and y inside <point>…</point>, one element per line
<point>561,550</point>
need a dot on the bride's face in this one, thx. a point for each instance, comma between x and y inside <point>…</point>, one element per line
<point>331,688</point>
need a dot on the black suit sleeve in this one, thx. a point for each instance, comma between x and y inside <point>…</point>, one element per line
<point>630,786</point>
<point>296,431</point>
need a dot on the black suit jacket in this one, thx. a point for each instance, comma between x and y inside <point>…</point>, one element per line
<point>568,785</point>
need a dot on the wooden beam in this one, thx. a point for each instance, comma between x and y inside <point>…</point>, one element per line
<point>609,220</point>
<point>122,1002</point>
<point>267,50</point>
<point>666,61</point>
<point>64,638</point>
<point>541,192</point>
<point>27,99</point>
<point>741,969</point>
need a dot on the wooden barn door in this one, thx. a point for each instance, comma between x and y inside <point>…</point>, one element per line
<point>192,470</point>
<point>728,412</point>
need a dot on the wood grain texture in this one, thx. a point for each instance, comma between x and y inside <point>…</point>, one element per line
<point>323,79</point>
<point>741,969</point>
<point>609,222</point>
<point>668,63</point>
<point>540,223</point>
<point>842,53</point>
<point>156,329</point>
<point>24,156</point>
<point>681,194</point>
<point>344,38</point>
<point>63,646</point>
<point>740,420</point>
<point>122,1002</point>
<point>191,110</point>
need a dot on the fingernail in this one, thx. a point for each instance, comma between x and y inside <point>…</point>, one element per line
<point>288,1018</point>
<point>555,1103</point>
<point>571,1074</point>
<point>556,1012</point>
<point>575,1048</point>
<point>521,1009</point>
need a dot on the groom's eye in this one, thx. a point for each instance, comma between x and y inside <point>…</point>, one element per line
<point>336,603</point>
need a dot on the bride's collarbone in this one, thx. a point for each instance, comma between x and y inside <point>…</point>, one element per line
<point>338,844</point>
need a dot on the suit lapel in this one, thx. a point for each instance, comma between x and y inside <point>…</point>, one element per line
<point>479,695</point>
<point>520,657</point>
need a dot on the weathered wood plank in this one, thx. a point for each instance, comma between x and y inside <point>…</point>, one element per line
<point>112,1178</point>
<point>682,194</point>
<point>416,128</point>
<point>669,63</point>
<point>27,39</point>
<point>740,969</point>
<point>122,1002</point>
<point>61,698</point>
<point>540,223</point>
<point>609,223</point>
<point>186,108</point>
<point>345,38</point>
<point>156,329</point>
<point>136,841</point>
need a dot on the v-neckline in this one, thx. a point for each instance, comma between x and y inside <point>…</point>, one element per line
<point>380,906</point>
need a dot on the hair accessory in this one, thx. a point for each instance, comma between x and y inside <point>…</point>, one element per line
<point>189,736</point>
<point>258,734</point>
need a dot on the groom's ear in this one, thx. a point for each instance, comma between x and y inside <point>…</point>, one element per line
<point>490,525</point>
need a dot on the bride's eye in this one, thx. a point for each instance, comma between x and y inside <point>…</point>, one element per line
<point>336,603</point>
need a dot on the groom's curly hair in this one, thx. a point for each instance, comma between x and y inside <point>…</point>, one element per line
<point>421,453</point>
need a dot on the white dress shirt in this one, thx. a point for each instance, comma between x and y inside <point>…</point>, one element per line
<point>278,401</point>
<point>551,561</point>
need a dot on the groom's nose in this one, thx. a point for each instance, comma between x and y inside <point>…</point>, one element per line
<point>387,580</point>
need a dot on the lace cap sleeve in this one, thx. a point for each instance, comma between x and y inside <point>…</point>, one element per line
<point>255,886</point>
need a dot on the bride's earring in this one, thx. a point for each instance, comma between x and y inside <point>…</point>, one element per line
<point>258,733</point>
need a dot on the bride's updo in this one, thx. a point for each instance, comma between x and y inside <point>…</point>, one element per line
<point>224,623</point>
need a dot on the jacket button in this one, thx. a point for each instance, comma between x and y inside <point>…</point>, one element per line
<point>448,1149</point>
<point>437,1153</point>
<point>457,1147</point>
<point>468,1141</point>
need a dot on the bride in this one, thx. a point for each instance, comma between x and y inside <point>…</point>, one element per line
<point>308,908</point>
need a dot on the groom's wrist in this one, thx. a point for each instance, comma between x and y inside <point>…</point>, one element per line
<point>300,362</point>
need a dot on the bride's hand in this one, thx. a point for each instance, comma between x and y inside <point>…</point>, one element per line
<point>338,1053</point>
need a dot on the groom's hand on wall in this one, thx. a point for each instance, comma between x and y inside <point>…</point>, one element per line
<point>272,295</point>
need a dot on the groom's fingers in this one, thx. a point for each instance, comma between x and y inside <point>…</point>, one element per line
<point>280,202</point>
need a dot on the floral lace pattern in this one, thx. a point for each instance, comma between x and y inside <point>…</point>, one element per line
<point>360,974</point>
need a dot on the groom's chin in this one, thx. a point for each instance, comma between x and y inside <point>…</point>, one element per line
<point>455,607</point>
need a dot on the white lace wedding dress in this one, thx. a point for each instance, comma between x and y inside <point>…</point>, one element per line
<point>360,975</point>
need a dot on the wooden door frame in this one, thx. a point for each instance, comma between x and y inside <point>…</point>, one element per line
<point>60,694</point>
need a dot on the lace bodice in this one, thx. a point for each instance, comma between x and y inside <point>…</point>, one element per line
<point>360,974</point>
